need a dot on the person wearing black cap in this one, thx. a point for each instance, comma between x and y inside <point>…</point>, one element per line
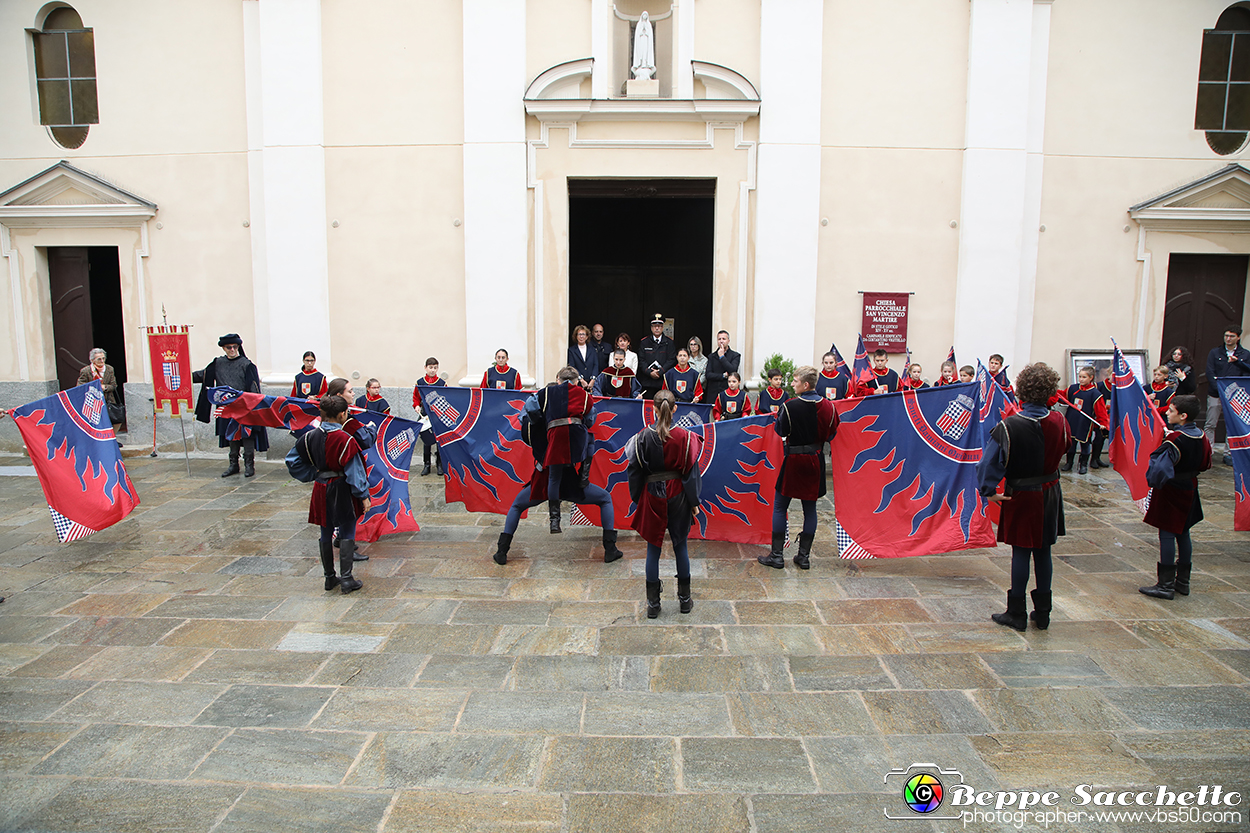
<point>234,370</point>
<point>657,355</point>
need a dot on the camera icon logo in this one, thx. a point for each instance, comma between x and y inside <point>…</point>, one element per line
<point>922,787</point>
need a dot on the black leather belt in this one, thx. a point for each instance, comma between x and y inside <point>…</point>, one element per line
<point>664,475</point>
<point>556,423</point>
<point>804,449</point>
<point>327,476</point>
<point>1033,484</point>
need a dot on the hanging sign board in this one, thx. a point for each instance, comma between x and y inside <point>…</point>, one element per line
<point>885,321</point>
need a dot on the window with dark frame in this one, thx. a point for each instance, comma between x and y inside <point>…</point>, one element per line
<point>65,76</point>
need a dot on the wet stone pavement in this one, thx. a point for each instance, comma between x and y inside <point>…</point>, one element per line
<point>185,671</point>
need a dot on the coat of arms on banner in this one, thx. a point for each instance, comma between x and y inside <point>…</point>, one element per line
<point>92,404</point>
<point>956,418</point>
<point>1238,401</point>
<point>169,363</point>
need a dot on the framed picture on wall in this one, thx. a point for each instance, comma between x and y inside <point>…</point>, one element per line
<point>1100,360</point>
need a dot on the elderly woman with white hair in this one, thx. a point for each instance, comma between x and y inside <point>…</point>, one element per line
<point>108,381</point>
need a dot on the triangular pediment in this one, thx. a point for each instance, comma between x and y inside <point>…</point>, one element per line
<point>65,194</point>
<point>1218,201</point>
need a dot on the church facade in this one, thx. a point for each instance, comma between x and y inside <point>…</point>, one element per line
<point>388,181</point>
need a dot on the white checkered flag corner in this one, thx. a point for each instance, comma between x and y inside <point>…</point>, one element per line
<point>67,530</point>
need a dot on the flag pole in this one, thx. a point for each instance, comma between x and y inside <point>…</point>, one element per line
<point>185,454</point>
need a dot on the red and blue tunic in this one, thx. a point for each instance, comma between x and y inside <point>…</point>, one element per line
<point>1086,399</point>
<point>376,404</point>
<point>310,385</point>
<point>435,382</point>
<point>1026,449</point>
<point>731,406</point>
<point>887,379</point>
<point>330,452</point>
<point>806,423</point>
<point>832,387</point>
<point>620,383</point>
<point>770,400</point>
<point>501,378</point>
<point>684,384</point>
<point>1160,395</point>
<point>664,482</point>
<point>912,384</point>
<point>1173,475</point>
<point>567,411</point>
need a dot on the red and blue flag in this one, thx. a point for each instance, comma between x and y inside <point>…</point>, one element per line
<point>77,459</point>
<point>904,474</point>
<point>1136,428</point>
<point>387,462</point>
<point>841,362</point>
<point>861,370</point>
<point>1235,397</point>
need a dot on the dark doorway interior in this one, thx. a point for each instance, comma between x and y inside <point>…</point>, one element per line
<point>86,309</point>
<point>638,247</point>
<point>1206,295</point>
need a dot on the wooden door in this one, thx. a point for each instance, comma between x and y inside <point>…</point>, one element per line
<point>69,274</point>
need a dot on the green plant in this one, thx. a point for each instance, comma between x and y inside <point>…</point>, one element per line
<point>779,362</point>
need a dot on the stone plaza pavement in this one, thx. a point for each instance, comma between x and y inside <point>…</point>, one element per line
<point>185,671</point>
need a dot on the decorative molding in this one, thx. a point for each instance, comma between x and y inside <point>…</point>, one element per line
<point>65,196</point>
<point>655,109</point>
<point>558,78</point>
<point>718,75</point>
<point>1219,201</point>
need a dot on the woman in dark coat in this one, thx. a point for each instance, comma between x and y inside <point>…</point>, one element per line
<point>665,487</point>
<point>235,370</point>
<point>583,356</point>
<point>1026,449</point>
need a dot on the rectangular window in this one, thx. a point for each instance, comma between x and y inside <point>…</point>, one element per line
<point>65,69</point>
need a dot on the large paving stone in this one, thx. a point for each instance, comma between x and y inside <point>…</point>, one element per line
<point>1060,759</point>
<point>656,714</point>
<point>790,714</point>
<point>1047,668</point>
<point>745,765</point>
<point>22,745</point>
<point>282,756</point>
<point>1191,707</point>
<point>156,662</point>
<point>449,812</point>
<point>392,709</point>
<point>522,712</point>
<point>88,806</point>
<point>581,673</point>
<point>838,673</point>
<point>114,630</point>
<point>457,762</point>
<point>669,673</point>
<point>940,671</point>
<point>169,704</point>
<point>925,712</point>
<point>610,764</point>
<point>632,812</point>
<point>1039,709</point>
<point>231,666</point>
<point>301,810</point>
<point>286,707</point>
<point>466,672</point>
<point>105,750</point>
<point>660,639</point>
<point>369,670</point>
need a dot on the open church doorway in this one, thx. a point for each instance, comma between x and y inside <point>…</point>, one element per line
<point>85,284</point>
<point>638,247</point>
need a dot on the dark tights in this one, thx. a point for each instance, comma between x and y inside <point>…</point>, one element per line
<point>781,506</point>
<point>327,533</point>
<point>1168,542</point>
<point>1020,558</point>
<point>679,551</point>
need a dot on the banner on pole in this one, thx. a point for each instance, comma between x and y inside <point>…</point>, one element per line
<point>171,368</point>
<point>885,321</point>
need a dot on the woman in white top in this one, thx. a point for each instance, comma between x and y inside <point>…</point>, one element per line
<point>697,360</point>
<point>631,358</point>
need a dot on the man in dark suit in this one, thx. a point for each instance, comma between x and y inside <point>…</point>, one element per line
<point>720,363</point>
<point>657,354</point>
<point>1230,359</point>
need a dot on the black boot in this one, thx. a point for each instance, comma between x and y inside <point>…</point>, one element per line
<point>249,462</point>
<point>610,552</point>
<point>347,584</point>
<point>683,594</point>
<point>1095,460</point>
<point>425,459</point>
<point>1084,469</point>
<point>501,549</point>
<point>1016,615</point>
<point>1041,609</point>
<point>357,555</point>
<point>1067,466</point>
<point>805,549</point>
<point>233,468</point>
<point>327,564</point>
<point>1182,578</point>
<point>553,515</point>
<point>438,463</point>
<point>1165,586</point>
<point>653,598</point>
<point>774,557</point>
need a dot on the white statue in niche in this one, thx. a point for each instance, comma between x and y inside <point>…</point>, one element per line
<point>643,67</point>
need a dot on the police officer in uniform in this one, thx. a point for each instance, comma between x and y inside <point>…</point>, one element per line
<point>657,355</point>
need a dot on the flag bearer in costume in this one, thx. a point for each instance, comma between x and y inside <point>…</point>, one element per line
<point>1087,412</point>
<point>372,400</point>
<point>332,459</point>
<point>884,379</point>
<point>1026,449</point>
<point>733,402</point>
<point>771,398</point>
<point>618,380</point>
<point>967,373</point>
<point>310,383</point>
<point>1160,390</point>
<point>556,426</point>
<point>948,374</point>
<point>683,380</point>
<point>665,487</point>
<point>831,384</point>
<point>805,423</point>
<point>999,373</point>
<point>234,370</point>
<point>1174,502</point>
<point>499,375</point>
<point>915,378</point>
<point>430,379</point>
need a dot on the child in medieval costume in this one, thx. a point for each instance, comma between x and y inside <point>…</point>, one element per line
<point>431,379</point>
<point>771,398</point>
<point>665,486</point>
<point>805,423</point>
<point>831,384</point>
<point>556,426</point>
<point>1086,415</point>
<point>1174,502</point>
<point>617,380</point>
<point>683,380</point>
<point>330,457</point>
<point>733,401</point>
<point>372,400</point>
<point>310,383</point>
<point>1026,449</point>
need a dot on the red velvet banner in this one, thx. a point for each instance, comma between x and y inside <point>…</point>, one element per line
<point>885,321</point>
<point>171,367</point>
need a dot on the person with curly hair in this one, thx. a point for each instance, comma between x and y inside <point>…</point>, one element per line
<point>1180,366</point>
<point>1025,449</point>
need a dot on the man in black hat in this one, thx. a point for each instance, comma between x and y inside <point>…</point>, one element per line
<point>657,354</point>
<point>234,370</point>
